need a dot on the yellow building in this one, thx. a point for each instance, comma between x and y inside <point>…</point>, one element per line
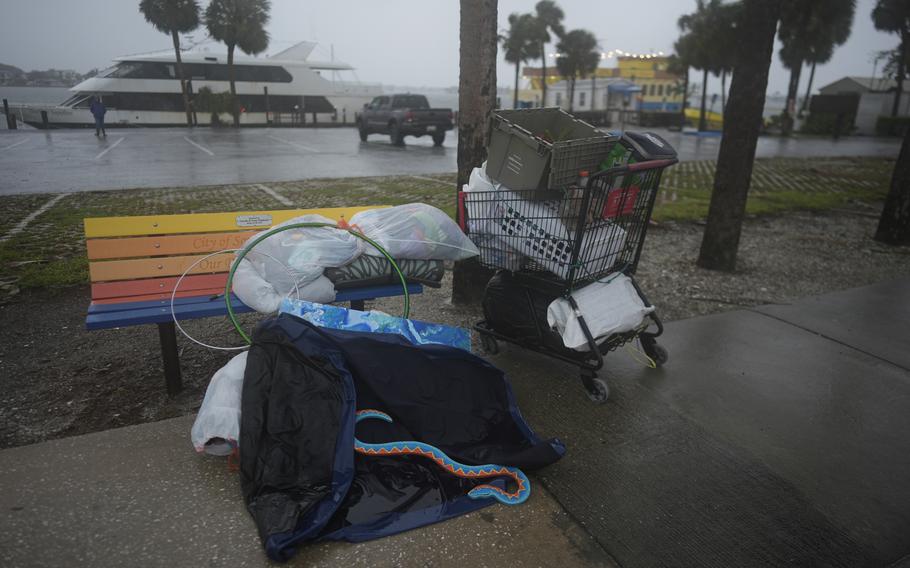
<point>661,91</point>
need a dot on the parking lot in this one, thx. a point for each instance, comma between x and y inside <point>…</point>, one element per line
<point>53,161</point>
<point>63,161</point>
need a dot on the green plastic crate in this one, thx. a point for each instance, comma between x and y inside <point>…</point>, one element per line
<point>543,149</point>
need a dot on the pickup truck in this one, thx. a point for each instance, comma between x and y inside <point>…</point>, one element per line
<point>404,115</point>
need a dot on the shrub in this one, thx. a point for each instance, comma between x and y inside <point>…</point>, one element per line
<point>826,122</point>
<point>892,125</point>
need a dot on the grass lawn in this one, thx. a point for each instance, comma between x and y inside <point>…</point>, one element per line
<point>51,250</point>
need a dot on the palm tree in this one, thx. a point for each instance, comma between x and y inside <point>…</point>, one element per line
<point>893,16</point>
<point>578,57</point>
<point>742,123</point>
<point>809,31</point>
<point>702,44</point>
<point>174,17</point>
<point>678,66</point>
<point>238,23</point>
<point>518,45</point>
<point>832,30</point>
<point>476,99</point>
<point>549,18</point>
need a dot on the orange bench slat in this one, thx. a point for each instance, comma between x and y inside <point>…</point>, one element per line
<point>152,267</point>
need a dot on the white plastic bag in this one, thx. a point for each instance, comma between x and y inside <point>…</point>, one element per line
<point>261,295</point>
<point>414,231</point>
<point>609,306</point>
<point>296,256</point>
<point>216,430</point>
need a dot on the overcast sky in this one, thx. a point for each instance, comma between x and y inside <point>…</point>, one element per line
<point>401,42</point>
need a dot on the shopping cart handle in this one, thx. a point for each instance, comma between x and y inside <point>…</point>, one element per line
<point>636,167</point>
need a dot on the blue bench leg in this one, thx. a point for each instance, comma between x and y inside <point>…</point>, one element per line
<point>168,335</point>
<point>357,305</point>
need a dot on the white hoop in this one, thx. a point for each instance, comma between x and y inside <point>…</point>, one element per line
<point>194,265</point>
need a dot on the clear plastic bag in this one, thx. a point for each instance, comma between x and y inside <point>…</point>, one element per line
<point>296,256</point>
<point>414,231</point>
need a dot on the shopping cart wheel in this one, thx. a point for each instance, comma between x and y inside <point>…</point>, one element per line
<point>653,350</point>
<point>598,391</point>
<point>489,344</point>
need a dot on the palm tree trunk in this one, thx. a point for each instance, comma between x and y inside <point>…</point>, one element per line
<point>515,97</point>
<point>186,98</point>
<point>723,91</point>
<point>740,137</point>
<point>901,70</point>
<point>235,107</point>
<point>802,107</point>
<point>790,108</point>
<point>543,70</point>
<point>894,223</point>
<point>685,100</point>
<point>476,100</point>
<point>702,123</point>
<point>593,89</point>
<point>572,94</point>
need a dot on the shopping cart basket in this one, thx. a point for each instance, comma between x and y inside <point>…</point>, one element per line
<point>552,248</point>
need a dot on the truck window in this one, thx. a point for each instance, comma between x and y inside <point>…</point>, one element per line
<point>410,101</point>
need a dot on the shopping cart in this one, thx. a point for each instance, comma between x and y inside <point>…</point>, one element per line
<point>548,249</point>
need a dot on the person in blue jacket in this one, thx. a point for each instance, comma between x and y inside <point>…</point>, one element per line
<point>98,110</point>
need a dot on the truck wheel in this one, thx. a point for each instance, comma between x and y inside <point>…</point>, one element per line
<point>363,132</point>
<point>395,135</point>
<point>438,139</point>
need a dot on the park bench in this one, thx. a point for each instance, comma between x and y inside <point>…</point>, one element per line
<point>135,262</point>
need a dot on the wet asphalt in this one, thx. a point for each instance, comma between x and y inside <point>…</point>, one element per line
<point>55,161</point>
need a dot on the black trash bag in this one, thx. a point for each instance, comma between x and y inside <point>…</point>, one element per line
<point>300,476</point>
<point>516,307</point>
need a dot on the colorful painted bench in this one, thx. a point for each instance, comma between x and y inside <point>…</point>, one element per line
<point>134,263</point>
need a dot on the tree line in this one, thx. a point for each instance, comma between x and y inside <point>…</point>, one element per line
<point>239,24</point>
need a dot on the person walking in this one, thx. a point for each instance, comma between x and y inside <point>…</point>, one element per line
<point>98,110</point>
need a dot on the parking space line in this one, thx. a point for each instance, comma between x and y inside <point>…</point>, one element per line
<point>295,144</point>
<point>201,147</point>
<point>279,198</point>
<point>109,148</point>
<point>14,145</point>
<point>439,181</point>
<point>31,217</point>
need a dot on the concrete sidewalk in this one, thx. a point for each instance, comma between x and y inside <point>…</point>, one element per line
<point>775,436</point>
<point>140,496</point>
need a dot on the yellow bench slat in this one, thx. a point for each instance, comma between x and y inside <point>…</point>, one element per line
<point>96,227</point>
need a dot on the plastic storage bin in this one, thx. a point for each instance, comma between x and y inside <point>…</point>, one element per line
<point>543,149</point>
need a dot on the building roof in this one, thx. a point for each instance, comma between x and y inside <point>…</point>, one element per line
<point>870,84</point>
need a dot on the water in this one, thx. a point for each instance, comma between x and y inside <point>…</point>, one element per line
<point>34,95</point>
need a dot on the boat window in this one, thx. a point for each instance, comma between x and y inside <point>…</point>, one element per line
<point>251,103</point>
<point>201,71</point>
<point>81,101</point>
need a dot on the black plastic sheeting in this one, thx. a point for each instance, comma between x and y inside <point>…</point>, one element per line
<point>300,476</point>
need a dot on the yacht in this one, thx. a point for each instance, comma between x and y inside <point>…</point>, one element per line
<point>143,90</point>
